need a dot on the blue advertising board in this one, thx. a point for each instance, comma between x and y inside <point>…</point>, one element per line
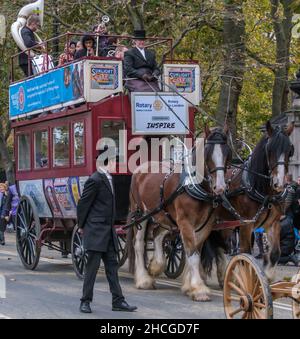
<point>57,87</point>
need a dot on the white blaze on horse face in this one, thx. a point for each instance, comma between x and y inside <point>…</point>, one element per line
<point>218,159</point>
<point>278,179</point>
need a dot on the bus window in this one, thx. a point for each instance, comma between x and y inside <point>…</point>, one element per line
<point>24,152</point>
<point>41,149</point>
<point>110,129</point>
<point>79,147</point>
<point>61,147</point>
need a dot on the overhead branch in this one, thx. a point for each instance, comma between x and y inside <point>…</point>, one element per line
<point>58,19</point>
<point>262,62</point>
<point>101,10</point>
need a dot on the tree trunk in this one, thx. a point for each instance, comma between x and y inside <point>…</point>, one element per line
<point>234,63</point>
<point>283,28</point>
<point>136,17</point>
<point>7,161</point>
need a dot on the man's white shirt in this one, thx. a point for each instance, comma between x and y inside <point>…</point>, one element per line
<point>142,51</point>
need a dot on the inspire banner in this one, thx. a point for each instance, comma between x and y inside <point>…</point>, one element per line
<point>62,86</point>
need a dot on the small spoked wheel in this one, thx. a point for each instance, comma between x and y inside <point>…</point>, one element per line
<point>296,297</point>
<point>122,248</point>
<point>247,294</point>
<point>28,230</point>
<point>79,255</point>
<point>175,255</point>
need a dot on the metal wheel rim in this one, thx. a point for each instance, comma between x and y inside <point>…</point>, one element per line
<point>247,293</point>
<point>27,233</point>
<point>295,304</point>
<point>79,256</point>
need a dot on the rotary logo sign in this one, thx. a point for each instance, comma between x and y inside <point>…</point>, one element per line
<point>21,98</point>
<point>158,105</point>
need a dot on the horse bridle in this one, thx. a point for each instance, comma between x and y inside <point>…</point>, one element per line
<point>217,142</point>
<point>277,163</point>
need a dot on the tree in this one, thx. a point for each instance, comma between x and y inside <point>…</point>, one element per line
<point>233,63</point>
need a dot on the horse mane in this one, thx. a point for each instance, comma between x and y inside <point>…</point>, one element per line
<point>259,164</point>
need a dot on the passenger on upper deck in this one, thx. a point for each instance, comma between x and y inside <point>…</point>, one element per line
<point>140,63</point>
<point>68,54</point>
<point>88,47</point>
<point>27,34</point>
<point>103,40</point>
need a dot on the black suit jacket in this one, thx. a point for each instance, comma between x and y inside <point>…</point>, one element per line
<point>96,214</point>
<point>29,41</point>
<point>136,66</point>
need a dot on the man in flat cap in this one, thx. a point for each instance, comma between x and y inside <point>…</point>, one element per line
<point>140,64</point>
<point>95,215</point>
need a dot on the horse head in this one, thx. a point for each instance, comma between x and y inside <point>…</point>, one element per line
<point>279,150</point>
<point>217,156</point>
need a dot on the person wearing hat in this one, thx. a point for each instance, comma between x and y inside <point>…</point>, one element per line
<point>140,64</point>
<point>95,215</point>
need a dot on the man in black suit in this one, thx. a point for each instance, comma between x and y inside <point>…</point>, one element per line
<point>140,64</point>
<point>95,214</point>
<point>27,34</point>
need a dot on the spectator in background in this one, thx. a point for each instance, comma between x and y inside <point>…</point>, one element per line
<point>68,54</point>
<point>5,210</point>
<point>88,47</point>
<point>78,46</point>
<point>287,234</point>
<point>14,204</point>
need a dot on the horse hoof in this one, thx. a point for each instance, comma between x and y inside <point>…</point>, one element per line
<point>202,297</point>
<point>145,285</point>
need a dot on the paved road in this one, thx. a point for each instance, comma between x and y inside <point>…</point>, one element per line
<point>53,291</point>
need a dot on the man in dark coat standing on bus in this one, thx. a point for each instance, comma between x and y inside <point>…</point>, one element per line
<point>95,214</point>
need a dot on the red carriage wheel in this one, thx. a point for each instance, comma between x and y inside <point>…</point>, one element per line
<point>247,293</point>
<point>28,230</point>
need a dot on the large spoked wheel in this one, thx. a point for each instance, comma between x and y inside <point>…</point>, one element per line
<point>247,293</point>
<point>28,230</point>
<point>175,255</point>
<point>122,248</point>
<point>296,296</point>
<point>79,255</point>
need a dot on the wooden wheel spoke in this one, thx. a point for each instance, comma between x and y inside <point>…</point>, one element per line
<point>258,296</point>
<point>243,275</point>
<point>259,305</point>
<point>235,312</point>
<point>240,281</point>
<point>236,288</point>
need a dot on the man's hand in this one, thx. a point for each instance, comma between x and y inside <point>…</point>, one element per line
<point>6,218</point>
<point>148,77</point>
<point>80,231</point>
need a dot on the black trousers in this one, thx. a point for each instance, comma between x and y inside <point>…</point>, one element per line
<point>111,270</point>
<point>27,71</point>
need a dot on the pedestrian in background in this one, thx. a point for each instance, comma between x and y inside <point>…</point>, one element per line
<point>5,210</point>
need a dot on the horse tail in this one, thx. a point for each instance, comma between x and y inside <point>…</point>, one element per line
<point>212,250</point>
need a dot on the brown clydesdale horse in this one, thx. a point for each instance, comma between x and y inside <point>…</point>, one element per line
<point>263,182</point>
<point>188,213</point>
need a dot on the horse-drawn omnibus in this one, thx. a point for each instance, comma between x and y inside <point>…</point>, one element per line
<point>60,114</point>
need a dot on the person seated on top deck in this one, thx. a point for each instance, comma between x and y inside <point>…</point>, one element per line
<point>27,34</point>
<point>140,64</point>
<point>68,54</point>
<point>88,47</point>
